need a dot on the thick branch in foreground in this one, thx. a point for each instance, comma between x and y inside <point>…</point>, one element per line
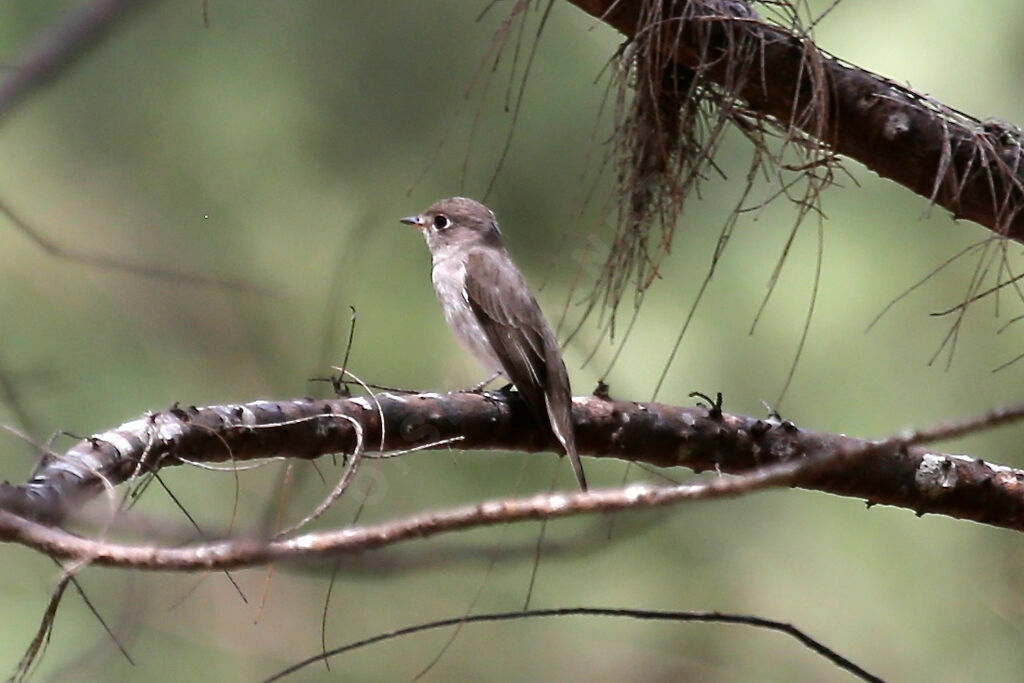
<point>245,552</point>
<point>972,168</point>
<point>888,472</point>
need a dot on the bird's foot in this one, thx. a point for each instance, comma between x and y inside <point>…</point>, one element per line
<point>506,392</point>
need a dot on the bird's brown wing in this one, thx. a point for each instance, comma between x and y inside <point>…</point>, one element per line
<point>523,342</point>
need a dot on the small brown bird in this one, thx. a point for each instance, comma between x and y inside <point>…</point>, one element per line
<point>493,314</point>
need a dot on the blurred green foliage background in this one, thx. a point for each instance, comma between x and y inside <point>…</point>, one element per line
<point>280,143</point>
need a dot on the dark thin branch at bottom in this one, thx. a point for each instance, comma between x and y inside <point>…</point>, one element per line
<point>656,615</point>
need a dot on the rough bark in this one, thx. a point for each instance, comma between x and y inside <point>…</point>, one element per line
<point>891,473</point>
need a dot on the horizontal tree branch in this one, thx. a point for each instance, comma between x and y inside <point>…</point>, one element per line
<point>973,168</point>
<point>245,552</point>
<point>894,472</point>
<point>242,552</point>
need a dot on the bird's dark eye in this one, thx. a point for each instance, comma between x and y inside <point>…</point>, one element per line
<point>441,222</point>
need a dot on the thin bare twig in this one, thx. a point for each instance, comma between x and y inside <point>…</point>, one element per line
<point>106,262</point>
<point>54,51</point>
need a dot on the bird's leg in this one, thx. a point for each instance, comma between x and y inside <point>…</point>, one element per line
<point>478,388</point>
<point>505,391</point>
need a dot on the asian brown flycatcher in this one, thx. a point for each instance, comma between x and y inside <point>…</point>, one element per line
<point>493,314</point>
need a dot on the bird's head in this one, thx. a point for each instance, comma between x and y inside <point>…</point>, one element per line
<point>457,222</point>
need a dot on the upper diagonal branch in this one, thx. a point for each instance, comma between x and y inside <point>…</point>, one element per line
<point>974,169</point>
<point>890,472</point>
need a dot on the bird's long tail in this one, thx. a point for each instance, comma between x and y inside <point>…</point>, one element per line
<point>561,425</point>
<point>577,466</point>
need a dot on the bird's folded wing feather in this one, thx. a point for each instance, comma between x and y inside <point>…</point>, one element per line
<point>513,323</point>
<point>524,343</point>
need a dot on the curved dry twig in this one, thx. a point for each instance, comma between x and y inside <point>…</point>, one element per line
<point>339,488</point>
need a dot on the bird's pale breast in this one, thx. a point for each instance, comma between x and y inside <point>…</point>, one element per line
<point>449,277</point>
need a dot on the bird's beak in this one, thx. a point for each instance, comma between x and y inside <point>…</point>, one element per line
<point>413,220</point>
